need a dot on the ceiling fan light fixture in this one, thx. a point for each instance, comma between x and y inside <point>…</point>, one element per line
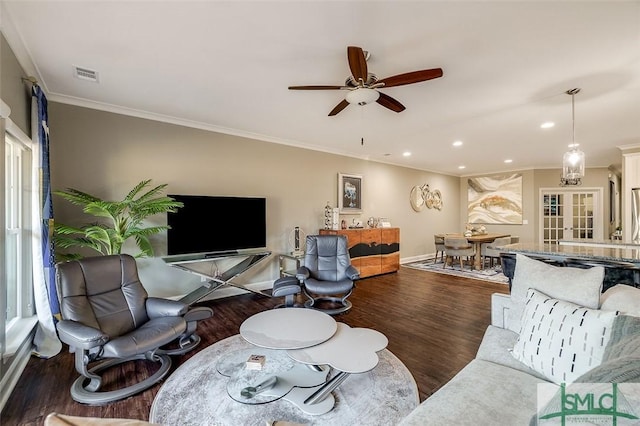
<point>362,85</point>
<point>362,96</point>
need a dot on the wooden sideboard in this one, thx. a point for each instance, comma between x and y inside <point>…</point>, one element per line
<point>373,251</point>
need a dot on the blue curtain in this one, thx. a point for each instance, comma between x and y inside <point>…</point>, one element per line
<point>48,254</point>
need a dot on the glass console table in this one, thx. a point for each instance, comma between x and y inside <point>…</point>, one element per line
<point>206,266</point>
<point>295,258</point>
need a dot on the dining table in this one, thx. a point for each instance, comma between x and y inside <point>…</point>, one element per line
<point>478,240</point>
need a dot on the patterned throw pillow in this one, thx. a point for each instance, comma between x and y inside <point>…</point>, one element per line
<point>561,340</point>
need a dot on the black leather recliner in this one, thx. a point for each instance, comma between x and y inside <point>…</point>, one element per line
<point>108,319</point>
<point>327,272</point>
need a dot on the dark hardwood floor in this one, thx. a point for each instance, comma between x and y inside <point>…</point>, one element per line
<point>434,324</point>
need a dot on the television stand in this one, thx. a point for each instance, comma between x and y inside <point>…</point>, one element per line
<point>218,254</point>
<point>204,265</point>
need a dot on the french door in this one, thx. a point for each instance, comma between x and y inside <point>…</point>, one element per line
<point>567,214</point>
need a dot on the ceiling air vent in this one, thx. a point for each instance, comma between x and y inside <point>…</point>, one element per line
<point>85,74</point>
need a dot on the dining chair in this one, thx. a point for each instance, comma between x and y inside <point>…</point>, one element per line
<point>490,251</point>
<point>439,242</point>
<point>457,247</point>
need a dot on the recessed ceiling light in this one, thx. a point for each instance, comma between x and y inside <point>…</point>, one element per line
<point>462,167</point>
<point>406,154</point>
<point>547,125</point>
<point>457,143</point>
<point>508,160</point>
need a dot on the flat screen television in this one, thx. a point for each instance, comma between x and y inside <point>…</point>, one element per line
<point>216,224</point>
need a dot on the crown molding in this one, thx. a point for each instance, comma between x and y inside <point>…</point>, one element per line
<point>16,42</point>
<point>5,110</point>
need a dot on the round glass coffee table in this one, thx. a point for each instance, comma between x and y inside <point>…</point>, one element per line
<point>273,332</point>
<point>196,394</point>
<point>313,338</point>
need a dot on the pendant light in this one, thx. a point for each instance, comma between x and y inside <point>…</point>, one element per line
<point>573,160</point>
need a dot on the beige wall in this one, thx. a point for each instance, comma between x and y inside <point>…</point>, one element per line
<point>106,154</point>
<point>13,91</point>
<point>532,182</point>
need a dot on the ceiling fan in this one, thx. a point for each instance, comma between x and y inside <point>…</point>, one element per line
<point>363,86</point>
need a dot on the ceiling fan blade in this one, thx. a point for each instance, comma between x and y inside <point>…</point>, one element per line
<point>342,105</point>
<point>411,77</point>
<point>388,102</point>
<point>316,87</point>
<point>357,63</point>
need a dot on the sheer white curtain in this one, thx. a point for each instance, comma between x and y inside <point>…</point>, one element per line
<point>46,339</point>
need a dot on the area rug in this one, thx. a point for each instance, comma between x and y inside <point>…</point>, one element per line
<point>493,274</point>
<point>196,394</point>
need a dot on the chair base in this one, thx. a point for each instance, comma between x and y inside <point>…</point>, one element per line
<point>345,305</point>
<point>185,344</point>
<point>89,393</point>
<point>289,302</point>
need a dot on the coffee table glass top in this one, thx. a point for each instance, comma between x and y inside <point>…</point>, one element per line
<point>278,376</point>
<point>288,328</point>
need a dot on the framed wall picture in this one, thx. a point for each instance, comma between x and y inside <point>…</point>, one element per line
<point>495,199</point>
<point>349,193</point>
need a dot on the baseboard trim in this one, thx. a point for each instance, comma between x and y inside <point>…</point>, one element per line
<point>412,259</point>
<point>10,379</point>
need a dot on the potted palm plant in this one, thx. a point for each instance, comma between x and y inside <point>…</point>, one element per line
<point>116,221</point>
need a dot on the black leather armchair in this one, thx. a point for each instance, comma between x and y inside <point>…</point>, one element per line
<point>108,319</point>
<point>327,272</point>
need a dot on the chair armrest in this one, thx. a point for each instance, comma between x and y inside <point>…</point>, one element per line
<point>500,305</point>
<point>158,307</point>
<point>199,313</point>
<point>303,273</point>
<point>81,336</point>
<point>353,273</point>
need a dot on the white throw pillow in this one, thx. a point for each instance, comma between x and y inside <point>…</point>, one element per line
<point>561,340</point>
<point>623,298</point>
<point>575,285</point>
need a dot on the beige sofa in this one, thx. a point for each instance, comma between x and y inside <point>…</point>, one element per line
<point>497,388</point>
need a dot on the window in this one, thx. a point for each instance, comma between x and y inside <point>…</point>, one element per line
<point>16,286</point>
